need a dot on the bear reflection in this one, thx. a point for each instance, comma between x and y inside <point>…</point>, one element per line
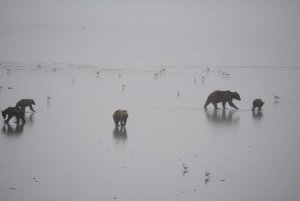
<point>8,129</point>
<point>222,116</point>
<point>120,133</point>
<point>257,114</point>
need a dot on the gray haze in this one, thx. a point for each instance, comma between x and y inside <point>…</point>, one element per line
<point>82,60</point>
<point>258,33</point>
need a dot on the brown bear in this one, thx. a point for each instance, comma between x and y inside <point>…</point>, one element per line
<point>120,116</point>
<point>23,103</point>
<point>257,103</point>
<point>222,96</point>
<point>13,111</point>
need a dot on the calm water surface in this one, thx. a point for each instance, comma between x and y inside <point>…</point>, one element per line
<point>69,149</point>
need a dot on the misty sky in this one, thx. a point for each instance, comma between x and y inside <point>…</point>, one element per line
<point>275,22</point>
<point>229,16</point>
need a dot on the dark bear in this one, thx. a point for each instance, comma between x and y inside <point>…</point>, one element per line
<point>23,103</point>
<point>222,97</point>
<point>120,116</point>
<point>257,103</point>
<point>13,111</point>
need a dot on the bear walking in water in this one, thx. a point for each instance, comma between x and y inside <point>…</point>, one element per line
<point>222,97</point>
<point>257,103</point>
<point>13,111</point>
<point>120,116</point>
<point>23,103</point>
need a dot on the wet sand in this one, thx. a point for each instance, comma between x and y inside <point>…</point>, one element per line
<point>69,148</point>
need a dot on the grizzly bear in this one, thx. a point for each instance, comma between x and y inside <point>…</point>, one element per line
<point>222,96</point>
<point>120,116</point>
<point>13,111</point>
<point>23,103</point>
<point>257,103</point>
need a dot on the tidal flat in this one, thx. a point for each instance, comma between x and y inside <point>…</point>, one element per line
<point>170,149</point>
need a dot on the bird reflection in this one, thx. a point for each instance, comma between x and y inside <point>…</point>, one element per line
<point>8,129</point>
<point>120,133</point>
<point>222,116</point>
<point>206,180</point>
<point>257,114</point>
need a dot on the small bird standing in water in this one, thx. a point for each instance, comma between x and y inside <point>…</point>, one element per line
<point>123,87</point>
<point>276,98</point>
<point>207,174</point>
<point>48,98</point>
<point>185,167</point>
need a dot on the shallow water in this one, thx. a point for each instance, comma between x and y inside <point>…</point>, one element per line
<point>69,148</point>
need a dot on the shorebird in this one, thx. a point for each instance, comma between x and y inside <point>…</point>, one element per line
<point>163,70</point>
<point>48,98</point>
<point>185,167</point>
<point>276,98</point>
<point>207,174</point>
<point>123,87</point>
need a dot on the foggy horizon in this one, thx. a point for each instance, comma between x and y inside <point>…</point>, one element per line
<point>246,33</point>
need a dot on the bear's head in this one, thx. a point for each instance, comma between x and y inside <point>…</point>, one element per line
<point>236,96</point>
<point>124,114</point>
<point>3,114</point>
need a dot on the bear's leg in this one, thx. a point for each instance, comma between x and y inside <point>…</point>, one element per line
<point>224,103</point>
<point>232,105</point>
<point>206,104</point>
<point>9,117</point>
<point>23,118</point>
<point>215,105</point>
<point>31,108</point>
<point>23,109</point>
<point>17,122</point>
